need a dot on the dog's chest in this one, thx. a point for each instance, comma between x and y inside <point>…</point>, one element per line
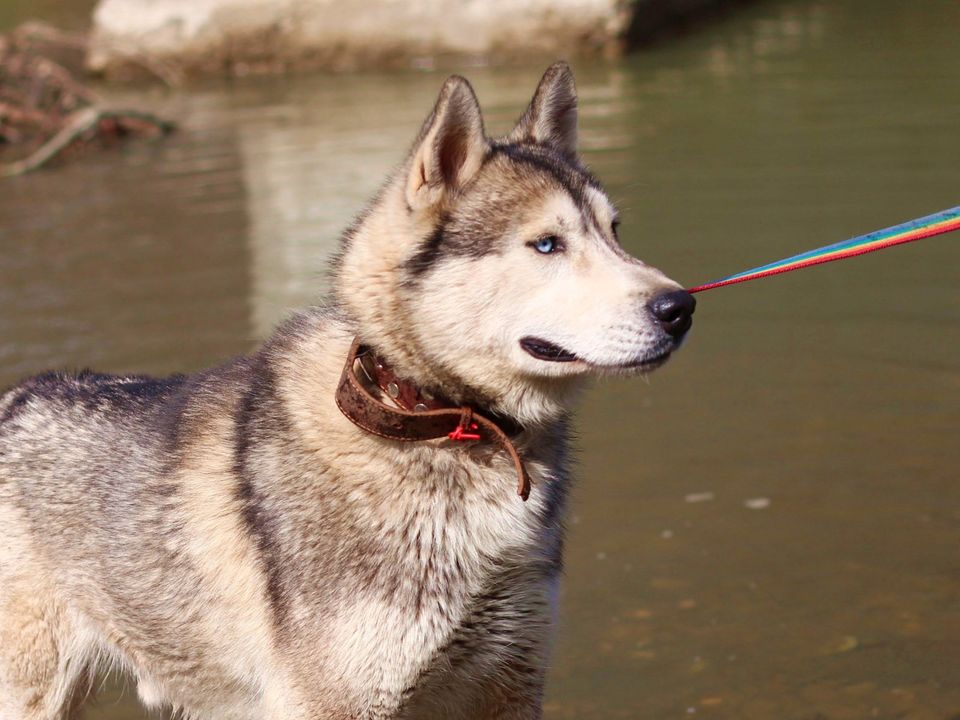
<point>466,564</point>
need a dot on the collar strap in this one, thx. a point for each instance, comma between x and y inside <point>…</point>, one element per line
<point>435,419</point>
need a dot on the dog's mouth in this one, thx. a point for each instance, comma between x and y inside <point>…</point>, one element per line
<point>550,352</point>
<point>544,350</point>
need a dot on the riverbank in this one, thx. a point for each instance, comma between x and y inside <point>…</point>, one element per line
<point>243,37</point>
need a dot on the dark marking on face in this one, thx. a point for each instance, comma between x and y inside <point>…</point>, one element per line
<point>571,175</point>
<point>457,235</point>
<point>476,225</point>
<point>428,252</point>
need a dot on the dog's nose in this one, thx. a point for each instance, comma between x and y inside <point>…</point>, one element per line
<point>674,311</point>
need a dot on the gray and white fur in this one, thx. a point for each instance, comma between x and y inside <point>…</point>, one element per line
<point>243,551</point>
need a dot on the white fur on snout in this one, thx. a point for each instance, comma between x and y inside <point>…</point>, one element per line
<point>589,298</point>
<point>595,308</point>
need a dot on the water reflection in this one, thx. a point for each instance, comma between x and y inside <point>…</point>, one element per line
<point>308,168</point>
<point>115,261</point>
<point>766,530</point>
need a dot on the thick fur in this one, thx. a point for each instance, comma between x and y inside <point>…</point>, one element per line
<point>243,551</point>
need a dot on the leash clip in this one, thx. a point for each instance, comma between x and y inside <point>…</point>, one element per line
<point>460,433</point>
<point>466,423</point>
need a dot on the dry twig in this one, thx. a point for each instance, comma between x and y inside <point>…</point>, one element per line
<point>45,109</point>
<point>88,121</point>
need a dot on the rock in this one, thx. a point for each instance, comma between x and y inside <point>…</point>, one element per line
<point>240,36</point>
<point>247,36</point>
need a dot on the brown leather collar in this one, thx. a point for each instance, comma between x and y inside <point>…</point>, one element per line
<point>419,416</point>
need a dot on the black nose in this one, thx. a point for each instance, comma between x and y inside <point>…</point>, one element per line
<point>674,311</point>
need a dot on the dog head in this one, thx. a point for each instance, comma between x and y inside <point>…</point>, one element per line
<point>490,268</point>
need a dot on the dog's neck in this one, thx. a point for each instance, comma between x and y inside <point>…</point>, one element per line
<point>426,418</point>
<point>394,389</point>
<point>405,393</point>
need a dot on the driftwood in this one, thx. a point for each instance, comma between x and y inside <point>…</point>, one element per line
<point>45,109</point>
<point>85,124</point>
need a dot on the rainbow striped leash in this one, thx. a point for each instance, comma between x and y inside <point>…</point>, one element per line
<point>936,224</point>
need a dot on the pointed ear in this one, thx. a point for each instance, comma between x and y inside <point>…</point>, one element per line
<point>551,118</point>
<point>451,146</point>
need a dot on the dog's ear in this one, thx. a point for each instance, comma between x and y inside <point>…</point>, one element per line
<point>551,118</point>
<point>451,146</point>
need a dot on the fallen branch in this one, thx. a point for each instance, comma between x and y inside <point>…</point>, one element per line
<point>45,109</point>
<point>85,124</point>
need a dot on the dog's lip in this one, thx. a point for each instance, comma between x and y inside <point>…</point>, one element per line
<point>545,350</point>
<point>551,352</point>
<point>648,362</point>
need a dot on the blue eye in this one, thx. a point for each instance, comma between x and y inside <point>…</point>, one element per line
<point>546,245</point>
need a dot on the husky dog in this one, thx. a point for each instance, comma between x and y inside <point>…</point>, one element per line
<point>244,549</point>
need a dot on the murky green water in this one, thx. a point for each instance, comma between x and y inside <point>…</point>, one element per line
<point>771,527</point>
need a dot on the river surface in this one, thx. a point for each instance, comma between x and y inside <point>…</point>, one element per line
<point>769,527</point>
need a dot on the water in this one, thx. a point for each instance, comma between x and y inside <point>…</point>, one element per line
<point>769,528</point>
